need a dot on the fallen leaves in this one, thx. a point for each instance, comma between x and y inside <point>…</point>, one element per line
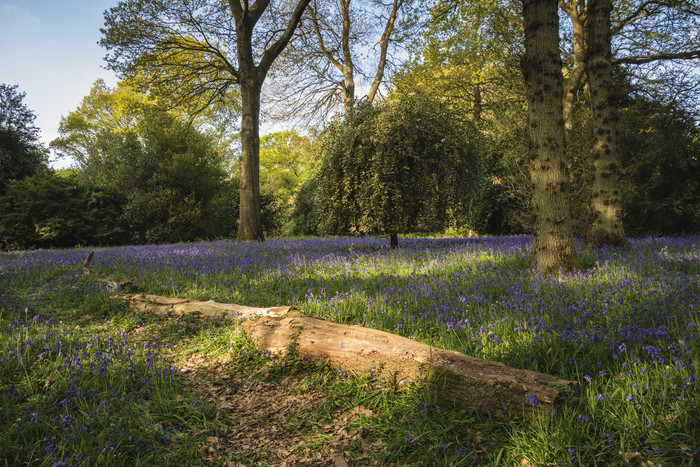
<point>338,460</point>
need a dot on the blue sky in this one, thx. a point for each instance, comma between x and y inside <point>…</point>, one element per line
<point>49,48</point>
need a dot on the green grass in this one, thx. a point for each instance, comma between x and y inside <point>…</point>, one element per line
<point>86,381</point>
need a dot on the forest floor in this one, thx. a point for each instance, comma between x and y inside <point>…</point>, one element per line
<point>85,380</point>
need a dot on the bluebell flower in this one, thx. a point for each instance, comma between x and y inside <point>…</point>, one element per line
<point>532,399</point>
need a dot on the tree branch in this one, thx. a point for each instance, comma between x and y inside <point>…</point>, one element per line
<point>275,49</point>
<point>384,45</point>
<point>647,58</point>
<point>326,53</point>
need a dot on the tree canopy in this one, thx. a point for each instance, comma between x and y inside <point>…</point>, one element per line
<point>346,51</point>
<point>200,49</point>
<point>21,152</point>
<point>173,184</point>
<point>406,165</point>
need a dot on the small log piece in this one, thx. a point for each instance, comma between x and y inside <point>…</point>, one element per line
<point>457,378</point>
<point>86,263</point>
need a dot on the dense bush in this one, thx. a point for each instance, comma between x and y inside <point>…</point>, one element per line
<point>171,180</point>
<point>660,162</point>
<point>407,165</point>
<point>306,215</point>
<point>659,157</point>
<point>21,152</point>
<point>47,210</point>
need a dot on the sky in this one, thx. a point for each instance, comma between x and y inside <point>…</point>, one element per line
<point>49,48</point>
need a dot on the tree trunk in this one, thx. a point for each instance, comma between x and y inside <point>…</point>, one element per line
<point>572,80</point>
<point>348,89</point>
<point>394,242</point>
<point>250,224</point>
<point>384,47</point>
<point>251,77</point>
<point>605,225</point>
<point>553,246</point>
<point>456,378</point>
<point>348,65</point>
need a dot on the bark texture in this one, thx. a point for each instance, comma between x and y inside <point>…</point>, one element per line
<point>572,79</point>
<point>605,223</point>
<point>456,378</point>
<point>250,221</point>
<point>553,247</point>
<point>251,77</point>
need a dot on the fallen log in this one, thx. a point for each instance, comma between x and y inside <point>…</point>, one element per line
<point>457,378</point>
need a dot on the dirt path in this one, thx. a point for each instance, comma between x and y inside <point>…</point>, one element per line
<point>265,420</point>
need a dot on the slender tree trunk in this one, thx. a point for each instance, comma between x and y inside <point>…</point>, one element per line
<point>553,246</point>
<point>348,66</point>
<point>344,65</point>
<point>251,79</point>
<point>384,47</point>
<point>348,88</point>
<point>250,222</point>
<point>572,81</point>
<point>605,226</point>
<point>394,241</point>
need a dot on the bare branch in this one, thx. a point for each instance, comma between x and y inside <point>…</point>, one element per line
<point>384,44</point>
<point>275,49</point>
<point>648,58</point>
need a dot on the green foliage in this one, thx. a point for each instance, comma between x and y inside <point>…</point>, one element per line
<point>21,153</point>
<point>659,154</point>
<point>90,132</point>
<point>169,171</point>
<point>306,216</point>
<point>171,179</point>
<point>183,51</point>
<point>46,210</point>
<point>287,160</point>
<point>345,154</point>
<point>492,209</point>
<point>404,166</point>
<point>469,56</point>
<point>660,158</point>
<point>106,114</point>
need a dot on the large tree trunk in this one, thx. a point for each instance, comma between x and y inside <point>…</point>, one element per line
<point>251,78</point>
<point>553,246</point>
<point>605,226</point>
<point>250,224</point>
<point>465,381</point>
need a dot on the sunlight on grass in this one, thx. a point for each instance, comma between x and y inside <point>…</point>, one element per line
<point>86,380</point>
